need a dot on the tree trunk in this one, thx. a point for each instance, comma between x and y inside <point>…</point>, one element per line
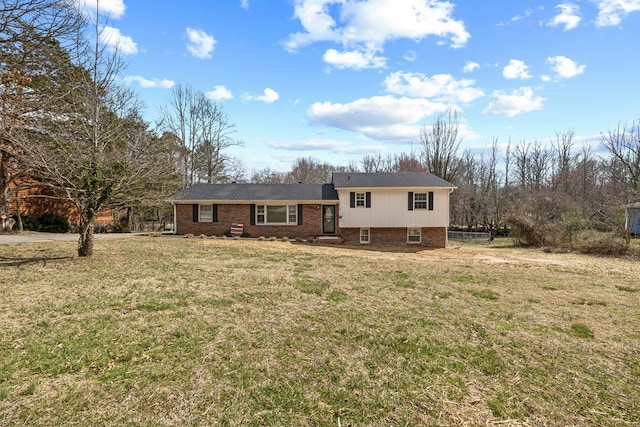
<point>19,212</point>
<point>85,243</point>
<point>5,177</point>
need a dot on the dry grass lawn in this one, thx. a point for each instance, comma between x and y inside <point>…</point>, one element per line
<point>203,332</point>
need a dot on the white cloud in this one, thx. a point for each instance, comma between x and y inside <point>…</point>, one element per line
<point>527,13</point>
<point>112,8</point>
<point>470,67</point>
<point>113,38</point>
<point>333,146</point>
<point>569,16</point>
<point>516,70</point>
<point>379,117</point>
<point>150,83</point>
<point>410,56</point>
<point>219,93</point>
<point>200,43</point>
<point>244,4</point>
<point>612,12</point>
<point>441,87</point>
<point>564,67</point>
<point>367,25</point>
<point>353,59</point>
<point>268,97</point>
<point>516,102</point>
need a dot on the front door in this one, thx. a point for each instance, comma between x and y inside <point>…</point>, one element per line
<point>328,219</point>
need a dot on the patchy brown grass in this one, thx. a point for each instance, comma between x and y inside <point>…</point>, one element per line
<point>165,331</point>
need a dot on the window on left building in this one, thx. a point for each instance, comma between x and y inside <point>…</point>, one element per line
<point>277,214</point>
<point>206,213</point>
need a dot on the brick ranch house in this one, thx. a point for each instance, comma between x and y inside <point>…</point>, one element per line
<point>404,208</point>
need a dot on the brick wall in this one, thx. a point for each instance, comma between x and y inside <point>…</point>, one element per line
<point>35,200</point>
<point>432,237</point>
<point>227,214</point>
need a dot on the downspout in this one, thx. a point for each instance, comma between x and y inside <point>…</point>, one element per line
<point>446,238</point>
<point>174,228</point>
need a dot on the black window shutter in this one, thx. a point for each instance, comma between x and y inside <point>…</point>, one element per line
<point>430,200</point>
<point>410,205</point>
<point>252,214</point>
<point>214,212</point>
<point>196,213</point>
<point>352,199</point>
<point>368,199</point>
<point>299,214</point>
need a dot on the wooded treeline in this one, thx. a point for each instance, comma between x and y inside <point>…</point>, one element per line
<point>68,124</point>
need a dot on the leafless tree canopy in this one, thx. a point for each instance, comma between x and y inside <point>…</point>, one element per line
<point>204,133</point>
<point>440,145</point>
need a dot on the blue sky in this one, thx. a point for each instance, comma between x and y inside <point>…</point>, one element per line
<point>340,79</point>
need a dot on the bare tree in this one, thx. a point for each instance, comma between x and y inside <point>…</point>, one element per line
<point>267,176</point>
<point>376,163</point>
<point>310,171</point>
<point>407,162</point>
<point>91,147</point>
<point>623,144</point>
<point>31,32</point>
<point>212,163</point>
<point>440,146</point>
<point>532,164</point>
<point>492,197</point>
<point>204,133</point>
<point>180,119</point>
<point>564,160</point>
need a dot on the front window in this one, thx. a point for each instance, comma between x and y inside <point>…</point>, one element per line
<point>277,214</point>
<point>260,215</point>
<point>206,213</point>
<point>364,235</point>
<point>420,201</point>
<point>360,199</point>
<point>414,235</point>
<point>293,214</point>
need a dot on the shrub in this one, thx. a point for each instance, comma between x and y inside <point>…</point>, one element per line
<point>28,222</point>
<point>53,223</point>
<point>525,231</point>
<point>599,243</point>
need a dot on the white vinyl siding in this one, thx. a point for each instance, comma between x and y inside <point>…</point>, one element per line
<point>389,209</point>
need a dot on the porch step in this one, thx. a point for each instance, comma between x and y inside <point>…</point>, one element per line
<point>329,239</point>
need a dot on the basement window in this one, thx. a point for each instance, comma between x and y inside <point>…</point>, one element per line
<point>414,235</point>
<point>364,236</point>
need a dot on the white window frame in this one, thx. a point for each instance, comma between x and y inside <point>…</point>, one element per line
<point>361,199</point>
<point>205,216</point>
<point>365,236</point>
<point>262,215</point>
<point>414,235</point>
<point>420,201</point>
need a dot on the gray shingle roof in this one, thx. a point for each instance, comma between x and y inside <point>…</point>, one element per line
<point>389,180</point>
<point>250,192</point>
